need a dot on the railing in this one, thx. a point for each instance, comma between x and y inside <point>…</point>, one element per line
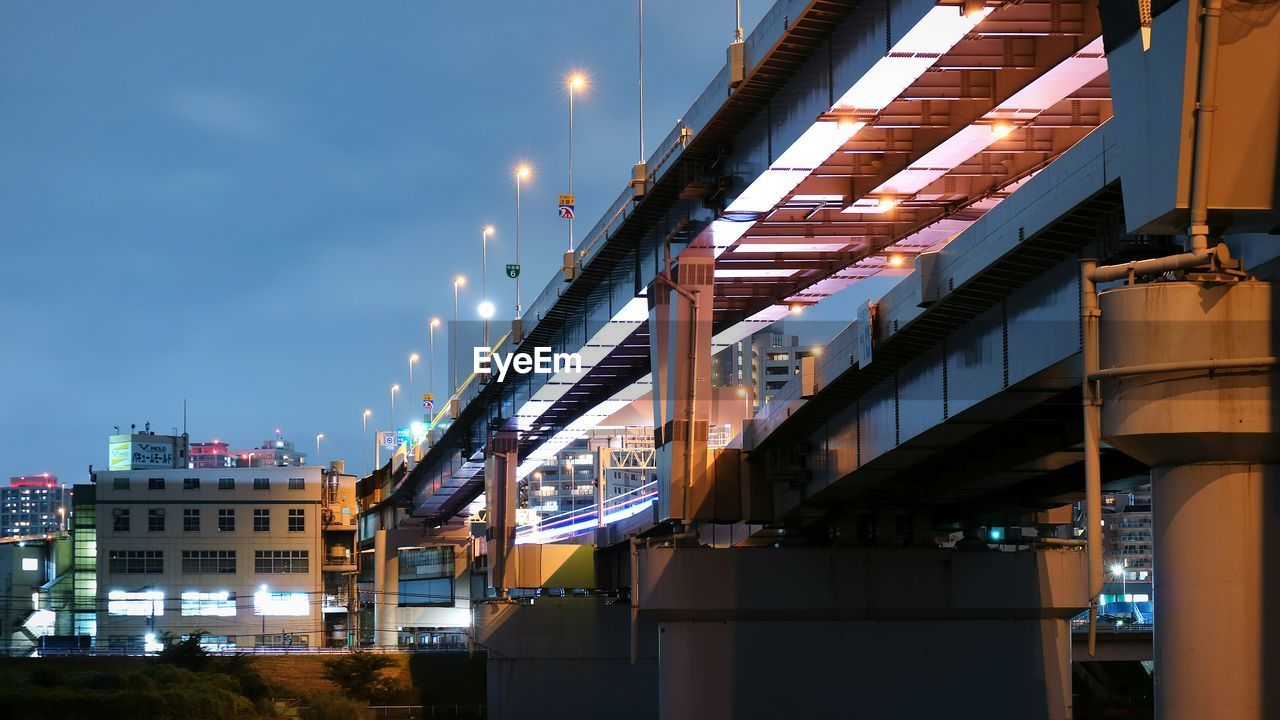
<point>414,712</point>
<point>583,520</point>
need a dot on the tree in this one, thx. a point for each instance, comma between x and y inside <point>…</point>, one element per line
<point>186,653</point>
<point>359,674</point>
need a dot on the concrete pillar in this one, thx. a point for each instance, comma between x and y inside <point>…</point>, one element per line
<point>1210,436</point>
<point>386,587</point>
<point>1215,529</point>
<point>826,632</point>
<point>680,357</point>
<point>500,465</point>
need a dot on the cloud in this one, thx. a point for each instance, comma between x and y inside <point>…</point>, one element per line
<point>220,112</point>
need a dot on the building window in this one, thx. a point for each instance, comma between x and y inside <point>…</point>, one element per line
<point>190,483</point>
<point>226,519</point>
<point>120,483</point>
<point>135,562</point>
<point>191,520</point>
<point>296,483</point>
<point>261,483</point>
<point>217,604</point>
<point>297,520</point>
<point>145,603</point>
<point>261,520</point>
<point>120,519</point>
<point>208,562</point>
<point>426,576</point>
<point>281,561</point>
<point>266,602</point>
<point>226,483</point>
<point>155,520</point>
<point>155,483</point>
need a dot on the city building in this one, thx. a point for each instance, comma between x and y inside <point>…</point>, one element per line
<point>214,454</point>
<point>275,452</point>
<point>33,505</point>
<point>146,449</point>
<point>255,557</point>
<point>32,609</point>
<point>1130,576</point>
<point>762,363</point>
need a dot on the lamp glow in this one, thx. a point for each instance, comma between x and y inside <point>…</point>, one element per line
<point>485,309</point>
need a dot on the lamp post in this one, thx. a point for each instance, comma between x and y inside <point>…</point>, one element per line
<point>522,173</point>
<point>364,425</point>
<point>431,354</point>
<point>458,282</point>
<point>1118,570</point>
<point>576,82</point>
<point>486,307</point>
<point>394,389</point>
<point>319,437</point>
<point>413,358</point>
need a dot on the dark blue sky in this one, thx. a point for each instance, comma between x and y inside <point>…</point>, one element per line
<point>256,206</point>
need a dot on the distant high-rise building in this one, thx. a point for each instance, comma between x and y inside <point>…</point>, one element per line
<point>33,505</point>
<point>764,363</point>
<point>276,452</point>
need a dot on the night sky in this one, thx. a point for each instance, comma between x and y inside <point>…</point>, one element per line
<point>256,206</point>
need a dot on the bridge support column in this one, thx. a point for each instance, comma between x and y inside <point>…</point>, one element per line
<point>1188,387</point>
<point>823,632</point>
<point>680,316</point>
<point>501,460</point>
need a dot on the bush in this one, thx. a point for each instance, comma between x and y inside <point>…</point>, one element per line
<point>104,681</point>
<point>253,686</point>
<point>334,707</point>
<point>359,674</point>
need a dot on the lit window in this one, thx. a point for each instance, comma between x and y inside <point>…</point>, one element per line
<point>30,564</point>
<point>219,604</point>
<point>281,603</point>
<point>144,603</point>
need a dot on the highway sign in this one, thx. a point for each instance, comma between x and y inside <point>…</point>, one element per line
<point>513,271</point>
<point>566,212</point>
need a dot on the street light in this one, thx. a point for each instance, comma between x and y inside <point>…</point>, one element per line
<point>522,173</point>
<point>319,437</point>
<point>413,358</point>
<point>364,427</point>
<point>458,282</point>
<point>577,81</point>
<point>62,519</point>
<point>1117,570</point>
<point>431,354</point>
<point>394,389</point>
<point>486,307</point>
<point>746,403</point>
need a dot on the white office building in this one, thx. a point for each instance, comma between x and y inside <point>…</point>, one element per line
<point>254,557</point>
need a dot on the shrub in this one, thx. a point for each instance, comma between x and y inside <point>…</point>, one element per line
<point>253,686</point>
<point>187,654</point>
<point>48,677</point>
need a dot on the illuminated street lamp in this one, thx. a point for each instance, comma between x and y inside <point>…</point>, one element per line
<point>576,82</point>
<point>1117,570</point>
<point>364,426</point>
<point>413,358</point>
<point>319,437</point>
<point>522,174</point>
<point>458,282</point>
<point>486,307</point>
<point>431,353</point>
<point>394,389</point>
